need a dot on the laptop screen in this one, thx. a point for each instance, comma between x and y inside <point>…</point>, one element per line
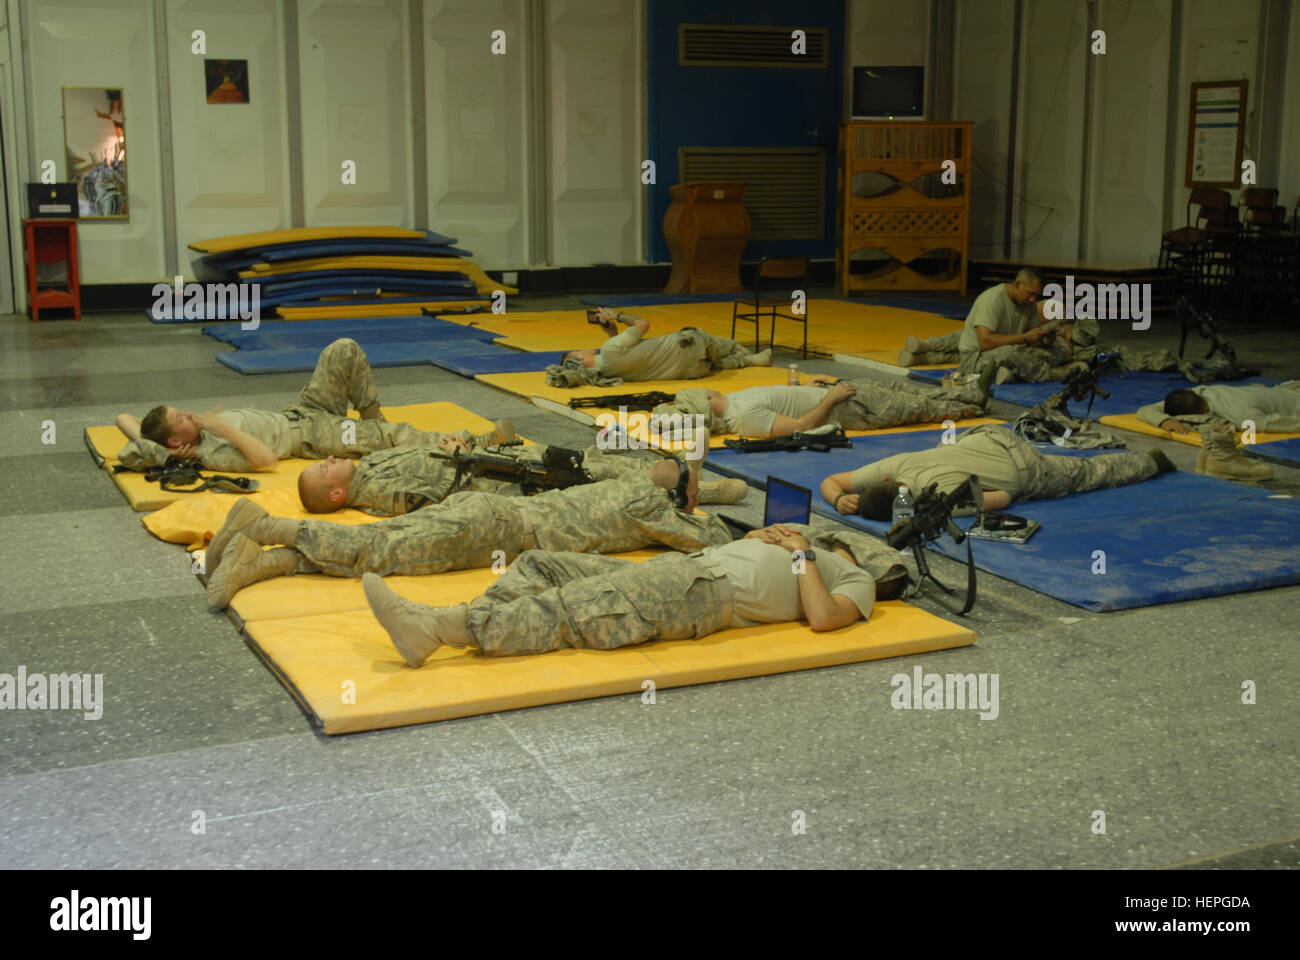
<point>786,503</point>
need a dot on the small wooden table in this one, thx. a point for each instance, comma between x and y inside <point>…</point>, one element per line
<point>707,229</point>
<point>49,240</point>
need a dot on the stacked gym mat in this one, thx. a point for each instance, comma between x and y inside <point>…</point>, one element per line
<point>325,267</point>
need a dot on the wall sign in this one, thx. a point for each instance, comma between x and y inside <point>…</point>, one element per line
<point>1216,125</point>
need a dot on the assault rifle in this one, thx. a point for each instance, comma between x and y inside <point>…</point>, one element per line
<point>1082,383</point>
<point>932,519</point>
<point>557,469</point>
<point>633,401</point>
<point>820,442</point>
<point>1202,323</point>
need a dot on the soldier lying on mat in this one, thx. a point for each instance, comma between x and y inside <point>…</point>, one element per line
<point>855,405</point>
<point>389,483</point>
<point>466,530</point>
<point>549,601</point>
<point>686,355</point>
<point>1008,467</point>
<point>315,427</point>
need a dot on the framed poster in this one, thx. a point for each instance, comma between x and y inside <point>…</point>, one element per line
<point>226,80</point>
<point>94,136</point>
<point>1216,124</point>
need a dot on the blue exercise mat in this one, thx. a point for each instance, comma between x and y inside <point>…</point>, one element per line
<point>1174,537</point>
<point>291,334</point>
<point>469,358</point>
<point>1127,393</point>
<point>344,244</point>
<point>379,303</point>
<point>243,259</point>
<point>441,281</point>
<point>1278,451</point>
<point>405,353</point>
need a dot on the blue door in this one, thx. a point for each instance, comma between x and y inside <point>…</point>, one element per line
<point>745,106</point>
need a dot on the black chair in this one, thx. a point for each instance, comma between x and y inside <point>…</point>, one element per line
<point>761,304</point>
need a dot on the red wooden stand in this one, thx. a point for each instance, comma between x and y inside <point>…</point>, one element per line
<point>49,241</point>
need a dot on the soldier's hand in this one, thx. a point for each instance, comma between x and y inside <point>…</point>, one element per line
<point>1174,426</point>
<point>842,391</point>
<point>820,380</point>
<point>793,542</point>
<point>452,445</point>
<point>847,504</point>
<point>186,451</point>
<point>1034,335</point>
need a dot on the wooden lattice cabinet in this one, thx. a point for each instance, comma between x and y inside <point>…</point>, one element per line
<point>919,204</point>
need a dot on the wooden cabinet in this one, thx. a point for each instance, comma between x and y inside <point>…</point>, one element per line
<point>919,181</point>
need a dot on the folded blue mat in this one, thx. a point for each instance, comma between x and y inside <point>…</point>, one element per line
<point>379,303</point>
<point>303,359</point>
<point>1278,451</point>
<point>441,281</point>
<point>243,259</point>
<point>1127,393</point>
<point>1177,536</point>
<point>340,245</point>
<point>469,358</point>
<point>291,334</point>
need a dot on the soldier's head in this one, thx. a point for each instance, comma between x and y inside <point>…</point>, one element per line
<point>876,501</point>
<point>1185,403</point>
<point>169,427</point>
<point>1027,287</point>
<point>585,357</point>
<point>323,487</point>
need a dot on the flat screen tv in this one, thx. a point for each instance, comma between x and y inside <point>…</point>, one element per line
<point>889,92</point>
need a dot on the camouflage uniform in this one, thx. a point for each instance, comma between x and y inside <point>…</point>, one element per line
<point>693,354</point>
<point>467,528</point>
<point>390,483</point>
<point>1045,476</point>
<point>942,349</point>
<point>896,403</point>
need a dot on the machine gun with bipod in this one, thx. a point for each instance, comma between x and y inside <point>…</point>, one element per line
<point>932,519</point>
<point>820,442</point>
<point>632,401</point>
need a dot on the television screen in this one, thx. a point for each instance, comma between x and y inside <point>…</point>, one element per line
<point>889,91</point>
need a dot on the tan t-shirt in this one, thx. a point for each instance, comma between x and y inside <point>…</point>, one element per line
<point>752,412</point>
<point>630,357</point>
<point>218,453</point>
<point>996,311</point>
<point>765,588</point>
<point>948,465</point>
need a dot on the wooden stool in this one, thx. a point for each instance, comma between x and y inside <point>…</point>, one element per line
<point>49,241</point>
<point>707,228</point>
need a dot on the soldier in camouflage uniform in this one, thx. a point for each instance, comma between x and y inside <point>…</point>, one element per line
<point>315,427</point>
<point>389,483</point>
<point>1009,468</point>
<point>853,404</point>
<point>549,601</point>
<point>464,531</point>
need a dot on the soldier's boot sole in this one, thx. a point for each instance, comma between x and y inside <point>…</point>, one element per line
<point>913,345</point>
<point>415,630</point>
<point>906,358</point>
<point>246,563</point>
<point>242,516</point>
<point>1236,467</point>
<point>723,491</point>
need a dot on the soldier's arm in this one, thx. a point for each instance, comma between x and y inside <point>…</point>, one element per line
<point>258,454</point>
<point>129,425</point>
<point>838,491</point>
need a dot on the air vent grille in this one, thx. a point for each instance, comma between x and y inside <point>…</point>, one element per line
<point>724,45</point>
<point>785,189</point>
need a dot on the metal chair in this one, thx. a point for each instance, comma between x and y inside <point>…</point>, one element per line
<point>793,269</point>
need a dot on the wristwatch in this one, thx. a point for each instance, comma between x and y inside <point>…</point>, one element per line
<point>810,554</point>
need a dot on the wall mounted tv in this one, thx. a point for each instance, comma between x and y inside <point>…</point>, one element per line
<point>892,93</point>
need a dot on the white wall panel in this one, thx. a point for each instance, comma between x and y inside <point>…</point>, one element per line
<point>888,33</point>
<point>982,94</point>
<point>103,43</point>
<point>477,134</point>
<point>354,64</point>
<point>230,160</point>
<point>1289,176</point>
<point>1050,146</point>
<point>595,129</point>
<point>1127,173</point>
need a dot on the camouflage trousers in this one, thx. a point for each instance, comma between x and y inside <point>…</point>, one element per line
<point>549,601</point>
<point>898,402</point>
<point>1030,364</point>
<point>942,349</point>
<point>1155,361</point>
<point>320,421</point>
<point>1044,476</point>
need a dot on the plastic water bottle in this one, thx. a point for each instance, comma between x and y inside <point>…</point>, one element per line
<point>793,379</point>
<point>903,508</point>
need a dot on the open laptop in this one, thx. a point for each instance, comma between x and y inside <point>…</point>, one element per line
<point>784,503</point>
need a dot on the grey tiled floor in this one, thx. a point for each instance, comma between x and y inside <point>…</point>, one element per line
<point>1136,713</point>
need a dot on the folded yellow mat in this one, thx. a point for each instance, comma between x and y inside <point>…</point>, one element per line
<point>108,441</point>
<point>347,310</point>
<point>341,667</point>
<point>434,265</point>
<point>195,518</point>
<point>1129,421</point>
<point>249,241</point>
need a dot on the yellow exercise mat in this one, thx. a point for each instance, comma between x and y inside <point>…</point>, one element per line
<point>344,671</point>
<point>106,442</point>
<point>195,518</point>
<point>433,265</point>
<point>1130,421</point>
<point>345,310</point>
<point>249,241</point>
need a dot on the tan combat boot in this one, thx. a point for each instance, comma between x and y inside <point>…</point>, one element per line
<point>723,491</point>
<point>247,518</point>
<point>1221,458</point>
<point>763,359</point>
<point>247,563</point>
<point>415,629</point>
